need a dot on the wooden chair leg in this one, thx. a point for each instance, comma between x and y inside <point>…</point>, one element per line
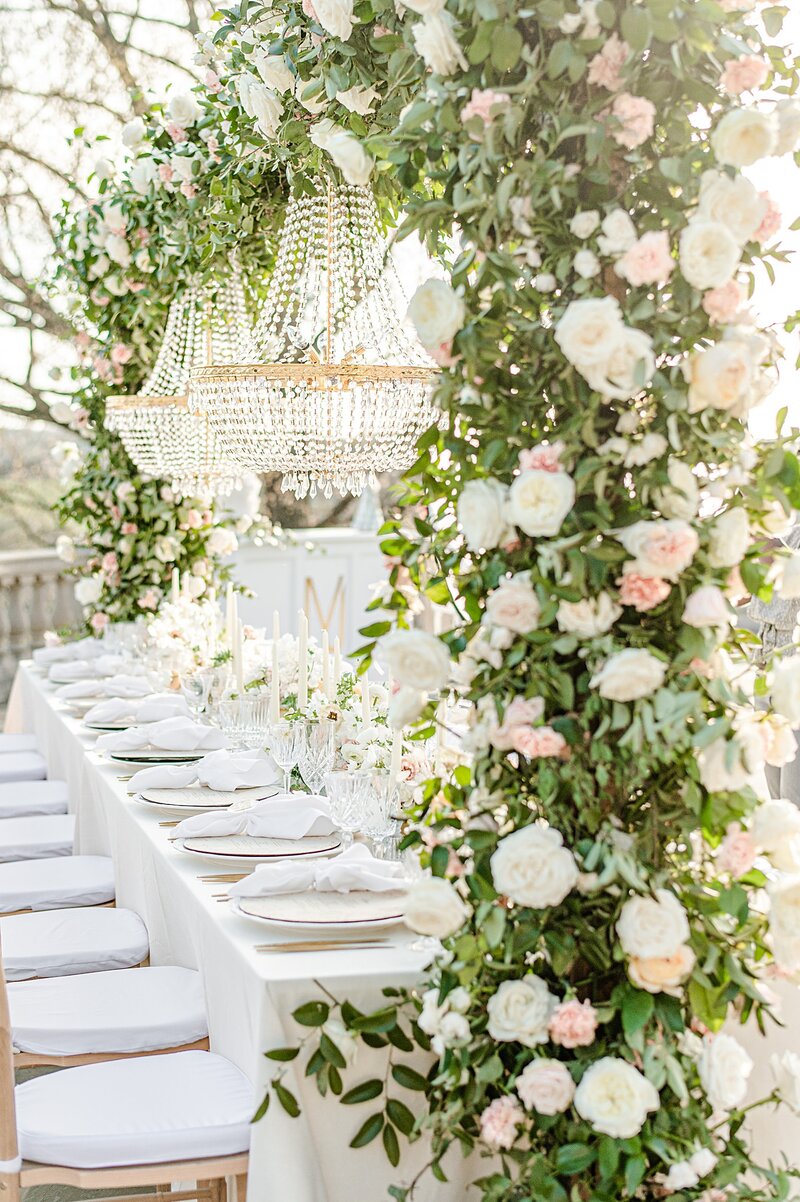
<point>241,1187</point>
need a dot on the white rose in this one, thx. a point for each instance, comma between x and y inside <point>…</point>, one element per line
<point>424,6</point>
<point>65,548</point>
<point>586,264</point>
<point>681,1176</point>
<point>274,71</point>
<point>546,1086</point>
<point>260,103</point>
<point>629,675</point>
<point>734,203</point>
<point>787,112</point>
<point>165,548</point>
<point>338,1034</point>
<point>358,99</point>
<point>788,577</point>
<point>615,1098</point>
<point>545,282</point>
<point>103,170</point>
<point>335,16</point>
<point>786,690</point>
<point>143,262</point>
<point>533,868</point>
<point>118,250</point>
<point>784,922</point>
<point>786,1071</point>
<point>346,151</point>
<point>539,501</point>
<point>133,133</point>
<point>405,707</point>
<point>780,743</point>
<point>729,538</point>
<point>703,1161</point>
<point>520,1011</point>
<point>724,1068</point>
<point>660,548</point>
<point>313,103</point>
<point>436,44</point>
<point>141,175</point>
<point>725,766</point>
<point>618,233</point>
<point>629,368</point>
<point>651,927</point>
<point>222,541</point>
<point>437,313</point>
<point>775,830</point>
<point>662,974</point>
<point>514,605</point>
<point>709,254</point>
<point>415,659</point>
<point>89,590</point>
<point>707,607</point>
<point>681,497</point>
<point>453,1032</point>
<point>724,376</point>
<point>432,907</point>
<point>589,331</point>
<point>774,520</point>
<point>183,109</point>
<point>744,136</point>
<point>584,224</point>
<point>588,618</point>
<point>481,514</point>
<point>183,166</point>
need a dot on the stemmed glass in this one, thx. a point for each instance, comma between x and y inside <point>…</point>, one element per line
<point>316,751</point>
<point>345,791</point>
<point>195,688</point>
<point>283,739</point>
<point>255,720</point>
<point>381,802</point>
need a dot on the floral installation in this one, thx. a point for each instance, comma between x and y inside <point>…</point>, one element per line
<point>608,886</point>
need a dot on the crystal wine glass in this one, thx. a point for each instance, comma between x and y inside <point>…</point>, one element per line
<point>344,791</point>
<point>381,802</point>
<point>283,739</point>
<point>195,688</point>
<point>316,751</point>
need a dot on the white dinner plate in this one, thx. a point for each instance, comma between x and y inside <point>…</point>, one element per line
<point>252,849</point>
<point>312,911</point>
<point>105,726</point>
<point>143,758</point>
<point>198,797</point>
<point>80,705</point>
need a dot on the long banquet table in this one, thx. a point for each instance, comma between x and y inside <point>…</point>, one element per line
<point>249,995</point>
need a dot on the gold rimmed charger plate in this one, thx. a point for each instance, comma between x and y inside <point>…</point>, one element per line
<point>252,848</point>
<point>312,911</point>
<point>199,797</point>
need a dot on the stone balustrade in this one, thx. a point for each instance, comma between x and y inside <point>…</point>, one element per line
<point>35,596</point>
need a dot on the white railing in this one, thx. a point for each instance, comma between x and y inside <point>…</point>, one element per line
<point>34,596</point>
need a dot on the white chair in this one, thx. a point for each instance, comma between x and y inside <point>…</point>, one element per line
<point>37,837</point>
<point>61,943</point>
<point>106,1015</point>
<point>9,743</point>
<point>53,884</point>
<point>22,765</point>
<point>22,799</point>
<point>125,1124</point>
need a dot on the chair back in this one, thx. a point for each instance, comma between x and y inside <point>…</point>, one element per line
<point>9,1147</point>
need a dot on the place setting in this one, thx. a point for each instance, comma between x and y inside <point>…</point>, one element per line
<point>220,780</point>
<point>177,740</point>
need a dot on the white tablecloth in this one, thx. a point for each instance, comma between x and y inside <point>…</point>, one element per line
<point>249,996</point>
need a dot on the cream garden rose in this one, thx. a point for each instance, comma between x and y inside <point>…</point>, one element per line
<point>785,691</point>
<point>590,617</point>
<point>345,150</point>
<point>519,1011</point>
<point>435,41</point>
<point>335,17</point>
<point>681,497</point>
<point>590,331</point>
<point>481,513</point>
<point>88,590</point>
<point>615,1098</point>
<point>415,659</point>
<point>433,907</point>
<point>745,135</point>
<point>733,203</point>
<point>650,927</point>
<point>539,501</point>
<point>662,549</point>
<point>629,368</point>
<point>785,1069</point>
<point>514,605</point>
<point>184,109</point>
<point>729,538</point>
<point>709,254</point>
<point>533,868</point>
<point>546,1086</point>
<point>723,376</point>
<point>629,675</point>
<point>662,974</point>
<point>775,829</point>
<point>437,313</point>
<point>724,1069</point>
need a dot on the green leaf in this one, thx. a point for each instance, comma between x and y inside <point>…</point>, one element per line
<point>635,1169</point>
<point>312,1014</point>
<point>409,1078</point>
<point>364,1092</point>
<point>637,1007</point>
<point>608,1157</point>
<point>400,1115</point>
<point>331,1052</point>
<point>282,1054</point>
<point>391,1145</point>
<point>368,1131</point>
<point>637,27</point>
<point>506,47</point>
<point>263,1108</point>
<point>287,1100</point>
<point>574,1158</point>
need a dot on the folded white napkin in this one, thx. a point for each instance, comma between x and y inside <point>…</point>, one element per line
<point>149,709</point>
<point>78,690</point>
<point>86,648</point>
<point>81,669</point>
<point>125,686</point>
<point>171,734</point>
<point>284,817</point>
<point>223,770</point>
<point>355,869</point>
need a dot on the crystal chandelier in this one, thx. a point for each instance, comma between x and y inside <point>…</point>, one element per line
<point>331,389</point>
<point>159,427</point>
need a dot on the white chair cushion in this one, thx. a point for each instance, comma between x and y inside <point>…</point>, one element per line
<point>9,743</point>
<point>33,797</point>
<point>52,883</point>
<point>184,1106</point>
<point>57,943</point>
<point>123,1011</point>
<point>36,837</point>
<point>22,765</point>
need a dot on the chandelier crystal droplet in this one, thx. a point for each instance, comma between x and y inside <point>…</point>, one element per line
<point>160,428</point>
<point>331,388</point>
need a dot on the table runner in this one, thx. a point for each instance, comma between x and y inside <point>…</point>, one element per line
<point>249,997</point>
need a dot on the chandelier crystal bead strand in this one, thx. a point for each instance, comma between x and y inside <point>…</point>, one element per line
<point>331,388</point>
<point>159,427</point>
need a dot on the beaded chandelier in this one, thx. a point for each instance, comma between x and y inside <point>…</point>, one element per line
<point>331,389</point>
<point>159,428</point>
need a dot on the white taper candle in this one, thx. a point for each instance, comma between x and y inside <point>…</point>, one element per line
<point>366,712</point>
<point>302,655</point>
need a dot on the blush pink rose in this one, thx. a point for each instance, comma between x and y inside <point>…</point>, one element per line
<point>642,592</point>
<point>115,512</point>
<point>499,1123</point>
<point>737,851</point>
<point>522,712</point>
<point>212,82</point>
<point>102,366</point>
<point>723,304</point>
<point>442,354</point>
<point>129,528</point>
<point>99,622</point>
<point>121,354</point>
<point>573,1024</point>
<point>537,742</point>
<point>134,285</point>
<point>309,10</point>
<point>771,221</point>
<point>148,600</point>
<point>177,133</point>
<point>636,117</point>
<point>648,261</point>
<point>189,190</point>
<point>546,457</point>
<point>165,173</point>
<point>109,562</point>
<point>605,67</point>
<point>481,103</point>
<point>743,74</point>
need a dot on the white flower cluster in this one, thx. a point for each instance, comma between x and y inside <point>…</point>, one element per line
<point>616,360</point>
